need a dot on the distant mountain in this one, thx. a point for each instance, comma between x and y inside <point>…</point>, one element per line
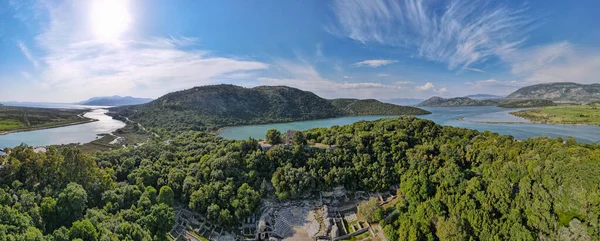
<point>457,101</point>
<point>355,107</point>
<point>210,107</point>
<point>115,101</point>
<point>483,97</point>
<point>404,101</point>
<point>572,92</point>
<point>527,104</point>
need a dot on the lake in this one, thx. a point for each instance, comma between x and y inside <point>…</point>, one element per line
<point>477,118</point>
<point>63,135</point>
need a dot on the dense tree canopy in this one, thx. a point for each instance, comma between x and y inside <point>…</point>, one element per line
<point>454,184</point>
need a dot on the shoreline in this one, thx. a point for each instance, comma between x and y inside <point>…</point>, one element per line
<point>84,120</point>
<point>218,130</point>
<point>49,127</point>
<point>553,123</point>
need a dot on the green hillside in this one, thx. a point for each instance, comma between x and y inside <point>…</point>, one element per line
<point>210,107</point>
<point>527,104</point>
<point>13,118</point>
<point>354,107</point>
<point>457,101</point>
<point>570,92</point>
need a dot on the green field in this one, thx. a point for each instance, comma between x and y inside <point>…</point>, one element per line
<point>572,115</point>
<point>13,119</point>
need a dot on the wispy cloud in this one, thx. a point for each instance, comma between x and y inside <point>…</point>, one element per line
<point>25,75</point>
<point>374,63</point>
<point>475,70</point>
<point>383,75</point>
<point>303,75</point>
<point>493,86</point>
<point>27,53</point>
<point>72,61</point>
<point>555,62</point>
<point>459,33</point>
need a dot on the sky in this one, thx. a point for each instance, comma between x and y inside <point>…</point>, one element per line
<point>71,50</point>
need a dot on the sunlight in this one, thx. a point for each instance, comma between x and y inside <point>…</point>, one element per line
<point>110,19</point>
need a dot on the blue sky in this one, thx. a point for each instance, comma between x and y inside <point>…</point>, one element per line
<point>65,51</point>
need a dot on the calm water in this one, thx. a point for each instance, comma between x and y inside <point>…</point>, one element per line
<point>69,134</point>
<point>465,117</point>
<point>259,131</point>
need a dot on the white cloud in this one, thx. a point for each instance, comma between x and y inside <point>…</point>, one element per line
<point>74,65</point>
<point>347,77</point>
<point>374,63</point>
<point>431,87</point>
<point>456,32</point>
<point>404,82</point>
<point>556,62</point>
<point>27,53</point>
<point>527,60</point>
<point>304,76</point>
<point>425,87</point>
<point>383,75</point>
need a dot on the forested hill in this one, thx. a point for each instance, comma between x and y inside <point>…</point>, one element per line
<point>210,107</point>
<point>458,101</point>
<point>484,96</point>
<point>527,104</point>
<point>559,92</point>
<point>354,107</point>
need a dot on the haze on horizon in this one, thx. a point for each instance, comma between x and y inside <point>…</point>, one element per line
<point>69,51</point>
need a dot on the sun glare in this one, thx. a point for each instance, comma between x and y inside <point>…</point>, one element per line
<point>110,19</point>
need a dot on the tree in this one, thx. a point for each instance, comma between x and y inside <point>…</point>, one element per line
<point>166,195</point>
<point>273,137</point>
<point>48,211</point>
<point>298,138</point>
<point>367,209</point>
<point>160,220</point>
<point>84,230</point>
<point>33,234</point>
<point>72,202</point>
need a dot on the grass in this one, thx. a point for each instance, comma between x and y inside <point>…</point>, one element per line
<point>198,236</point>
<point>14,119</point>
<point>572,115</point>
<point>100,144</point>
<point>129,137</point>
<point>359,237</point>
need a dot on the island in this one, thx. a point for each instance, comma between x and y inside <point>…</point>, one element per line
<point>572,115</point>
<point>17,119</point>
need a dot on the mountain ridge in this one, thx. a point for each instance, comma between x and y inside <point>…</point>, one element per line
<point>560,91</point>
<point>483,96</point>
<point>114,100</point>
<point>215,106</point>
<point>437,101</point>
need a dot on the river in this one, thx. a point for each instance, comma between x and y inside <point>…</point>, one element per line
<point>482,118</point>
<point>63,135</point>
